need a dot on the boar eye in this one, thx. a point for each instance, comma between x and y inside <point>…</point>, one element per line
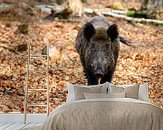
<point>107,46</point>
<point>93,45</point>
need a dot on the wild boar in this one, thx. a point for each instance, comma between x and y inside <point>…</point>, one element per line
<point>98,46</point>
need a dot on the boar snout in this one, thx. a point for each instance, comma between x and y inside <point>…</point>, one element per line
<point>98,74</point>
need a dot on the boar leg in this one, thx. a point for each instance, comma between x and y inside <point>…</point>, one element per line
<point>108,77</point>
<point>91,79</point>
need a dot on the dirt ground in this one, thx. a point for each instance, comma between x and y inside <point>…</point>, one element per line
<point>141,64</point>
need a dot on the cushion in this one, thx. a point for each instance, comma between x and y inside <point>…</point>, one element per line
<point>71,94</point>
<point>103,95</point>
<point>143,92</point>
<point>131,91</point>
<point>76,92</point>
<point>79,91</point>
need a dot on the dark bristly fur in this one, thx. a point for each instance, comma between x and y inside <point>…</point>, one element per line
<point>98,46</point>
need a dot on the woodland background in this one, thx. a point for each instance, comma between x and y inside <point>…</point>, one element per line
<point>21,23</point>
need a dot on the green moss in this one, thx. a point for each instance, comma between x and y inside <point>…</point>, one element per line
<point>131,13</point>
<point>137,13</point>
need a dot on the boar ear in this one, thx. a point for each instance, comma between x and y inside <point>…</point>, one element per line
<point>89,31</point>
<point>113,32</point>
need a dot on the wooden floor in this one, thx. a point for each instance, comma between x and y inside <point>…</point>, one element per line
<point>17,126</point>
<point>16,121</point>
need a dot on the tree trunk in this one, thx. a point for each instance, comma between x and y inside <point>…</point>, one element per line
<point>151,7</point>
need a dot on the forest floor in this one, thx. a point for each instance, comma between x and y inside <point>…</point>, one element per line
<point>141,64</point>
